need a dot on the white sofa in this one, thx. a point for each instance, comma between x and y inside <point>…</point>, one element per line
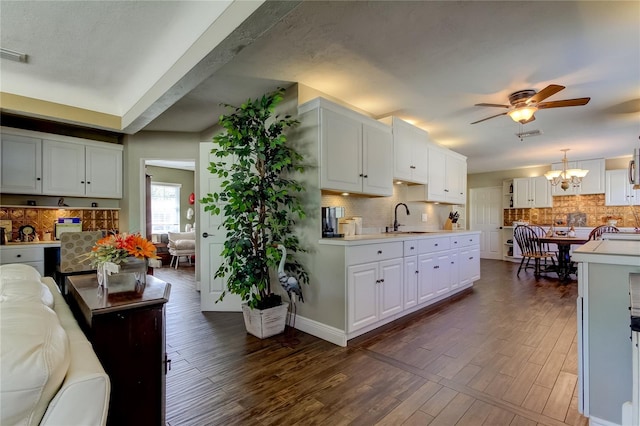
<point>49,373</point>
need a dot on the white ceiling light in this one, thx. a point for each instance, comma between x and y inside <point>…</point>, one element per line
<point>566,177</point>
<point>522,114</point>
<point>12,55</point>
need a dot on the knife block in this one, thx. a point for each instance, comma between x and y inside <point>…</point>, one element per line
<point>448,225</point>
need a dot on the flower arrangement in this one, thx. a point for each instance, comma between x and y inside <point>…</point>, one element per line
<point>116,249</point>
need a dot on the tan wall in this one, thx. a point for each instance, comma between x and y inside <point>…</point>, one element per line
<point>149,146</point>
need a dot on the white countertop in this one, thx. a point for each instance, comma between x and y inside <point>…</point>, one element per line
<point>386,237</point>
<point>618,252</point>
<point>15,244</point>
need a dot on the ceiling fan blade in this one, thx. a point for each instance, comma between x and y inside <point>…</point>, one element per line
<point>485,119</point>
<point>494,105</point>
<point>564,103</point>
<point>551,89</point>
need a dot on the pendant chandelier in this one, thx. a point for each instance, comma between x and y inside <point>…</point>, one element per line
<point>566,177</point>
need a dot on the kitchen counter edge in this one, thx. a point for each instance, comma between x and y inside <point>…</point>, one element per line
<point>385,238</point>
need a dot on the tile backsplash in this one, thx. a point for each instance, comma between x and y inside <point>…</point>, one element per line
<point>43,219</point>
<point>592,205</point>
<point>377,212</point>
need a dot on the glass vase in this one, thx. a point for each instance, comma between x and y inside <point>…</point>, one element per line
<point>126,275</point>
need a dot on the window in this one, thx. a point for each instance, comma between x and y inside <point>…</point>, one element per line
<point>165,207</point>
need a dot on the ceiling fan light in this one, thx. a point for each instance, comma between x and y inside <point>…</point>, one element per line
<point>552,174</point>
<point>522,114</point>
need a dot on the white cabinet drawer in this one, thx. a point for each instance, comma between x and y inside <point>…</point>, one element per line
<point>21,254</point>
<point>429,245</point>
<point>465,240</point>
<point>374,252</point>
<point>410,248</point>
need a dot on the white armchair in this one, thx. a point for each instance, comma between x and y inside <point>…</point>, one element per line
<point>181,244</point>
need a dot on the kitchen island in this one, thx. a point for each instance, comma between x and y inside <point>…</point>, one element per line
<point>604,345</point>
<point>366,281</point>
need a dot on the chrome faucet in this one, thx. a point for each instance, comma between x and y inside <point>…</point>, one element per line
<point>395,215</point>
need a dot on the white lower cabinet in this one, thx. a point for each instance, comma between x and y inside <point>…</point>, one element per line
<point>374,288</point>
<point>388,280</point>
<point>32,256</point>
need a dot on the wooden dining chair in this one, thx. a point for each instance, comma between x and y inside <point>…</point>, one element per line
<point>597,232</point>
<point>531,248</point>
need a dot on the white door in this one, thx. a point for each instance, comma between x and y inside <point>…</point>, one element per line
<point>390,287</point>
<point>341,152</point>
<point>377,154</point>
<point>103,172</point>
<point>362,295</point>
<point>486,217</point>
<point>211,245</point>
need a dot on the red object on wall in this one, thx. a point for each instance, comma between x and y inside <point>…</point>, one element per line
<point>192,198</point>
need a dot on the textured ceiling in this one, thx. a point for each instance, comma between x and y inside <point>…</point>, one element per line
<point>428,62</point>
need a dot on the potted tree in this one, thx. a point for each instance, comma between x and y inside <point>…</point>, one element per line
<point>259,204</point>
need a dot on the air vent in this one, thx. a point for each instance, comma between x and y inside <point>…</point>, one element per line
<point>528,134</point>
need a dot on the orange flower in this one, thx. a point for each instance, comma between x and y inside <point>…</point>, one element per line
<point>140,247</point>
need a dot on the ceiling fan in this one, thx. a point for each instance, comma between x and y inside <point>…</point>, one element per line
<point>524,103</point>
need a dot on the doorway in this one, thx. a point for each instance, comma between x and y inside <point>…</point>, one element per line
<point>486,217</point>
<point>172,183</point>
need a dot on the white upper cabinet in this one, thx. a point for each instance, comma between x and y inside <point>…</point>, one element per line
<point>410,150</point>
<point>82,169</point>
<point>592,183</point>
<point>43,163</point>
<point>533,192</point>
<point>21,159</point>
<point>356,152</point>
<point>619,192</point>
<point>447,178</point>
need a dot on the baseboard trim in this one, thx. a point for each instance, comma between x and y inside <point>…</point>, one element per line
<point>594,421</point>
<point>322,331</point>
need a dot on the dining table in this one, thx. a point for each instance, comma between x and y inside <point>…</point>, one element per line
<point>565,266</point>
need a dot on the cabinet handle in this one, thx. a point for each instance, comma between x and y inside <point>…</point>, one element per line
<point>471,258</point>
<point>412,248</point>
<point>455,242</point>
<point>377,281</point>
<point>446,190</point>
<point>88,183</point>
<point>417,272</point>
<point>37,178</point>
<point>382,280</point>
<point>436,267</point>
<point>361,175</point>
<point>412,167</point>
<point>379,251</point>
<point>453,263</point>
<point>366,176</point>
<point>436,244</point>
<point>18,255</point>
<point>81,181</point>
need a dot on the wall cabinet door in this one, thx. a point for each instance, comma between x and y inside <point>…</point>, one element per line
<point>63,168</point>
<point>21,159</point>
<point>619,192</point>
<point>103,172</point>
<point>456,191</point>
<point>377,151</point>
<point>355,156</point>
<point>532,192</point>
<point>410,151</point>
<point>410,293</point>
<point>341,152</point>
<point>437,174</point>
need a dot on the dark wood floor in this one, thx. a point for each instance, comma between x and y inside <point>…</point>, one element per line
<point>502,354</point>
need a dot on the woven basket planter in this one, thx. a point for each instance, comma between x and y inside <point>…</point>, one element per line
<point>267,322</point>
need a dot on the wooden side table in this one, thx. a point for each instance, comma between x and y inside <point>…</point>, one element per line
<point>126,327</point>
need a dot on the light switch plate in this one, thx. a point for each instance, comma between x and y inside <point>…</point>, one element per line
<point>424,217</point>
